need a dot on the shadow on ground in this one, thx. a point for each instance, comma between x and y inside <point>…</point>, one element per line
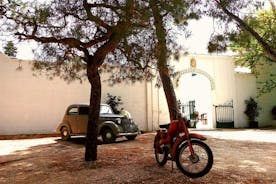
<point>51,160</point>
<point>82,141</point>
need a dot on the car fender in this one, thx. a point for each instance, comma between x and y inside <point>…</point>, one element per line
<point>110,124</point>
<point>181,140</point>
<point>65,124</point>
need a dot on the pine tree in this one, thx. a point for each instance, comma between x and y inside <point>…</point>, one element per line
<point>10,49</point>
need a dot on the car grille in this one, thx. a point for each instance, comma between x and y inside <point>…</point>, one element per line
<point>127,125</point>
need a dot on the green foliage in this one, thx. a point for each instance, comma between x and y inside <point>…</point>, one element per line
<point>248,30</point>
<point>268,85</point>
<point>251,54</point>
<point>239,21</point>
<point>217,43</point>
<point>114,102</point>
<point>252,109</point>
<point>249,50</point>
<point>10,49</point>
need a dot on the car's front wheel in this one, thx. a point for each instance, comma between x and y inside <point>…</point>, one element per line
<point>108,135</point>
<point>65,134</point>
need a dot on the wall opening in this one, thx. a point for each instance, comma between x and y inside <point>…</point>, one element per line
<point>196,87</point>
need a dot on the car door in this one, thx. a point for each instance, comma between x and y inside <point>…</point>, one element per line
<point>83,119</point>
<point>72,115</point>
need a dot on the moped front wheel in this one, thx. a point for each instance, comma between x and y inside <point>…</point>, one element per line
<point>197,165</point>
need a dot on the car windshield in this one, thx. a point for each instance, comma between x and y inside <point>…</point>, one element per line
<point>105,109</point>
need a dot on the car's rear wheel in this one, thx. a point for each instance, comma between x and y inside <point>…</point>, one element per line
<point>131,137</point>
<point>108,135</point>
<point>65,134</point>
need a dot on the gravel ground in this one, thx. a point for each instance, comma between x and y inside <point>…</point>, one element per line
<point>243,156</point>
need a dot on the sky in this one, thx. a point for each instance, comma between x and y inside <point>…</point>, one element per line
<point>200,35</point>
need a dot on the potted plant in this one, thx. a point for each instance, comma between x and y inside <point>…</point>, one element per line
<point>252,112</point>
<point>273,112</point>
<point>114,102</point>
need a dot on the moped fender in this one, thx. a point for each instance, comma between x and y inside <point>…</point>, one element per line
<point>197,136</point>
<point>182,139</point>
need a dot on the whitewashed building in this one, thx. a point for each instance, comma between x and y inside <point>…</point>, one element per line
<point>31,105</point>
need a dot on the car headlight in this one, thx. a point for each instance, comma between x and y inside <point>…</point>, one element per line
<point>118,120</point>
<point>125,113</point>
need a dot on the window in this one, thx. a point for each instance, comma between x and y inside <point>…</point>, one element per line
<point>105,109</point>
<point>83,110</point>
<point>73,111</point>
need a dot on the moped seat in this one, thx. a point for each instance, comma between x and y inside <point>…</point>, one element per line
<point>164,126</point>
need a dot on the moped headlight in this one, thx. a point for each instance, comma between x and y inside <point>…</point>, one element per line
<point>118,120</point>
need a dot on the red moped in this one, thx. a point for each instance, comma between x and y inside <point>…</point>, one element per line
<point>173,142</point>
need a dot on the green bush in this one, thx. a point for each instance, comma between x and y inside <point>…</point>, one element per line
<point>273,112</point>
<point>252,109</point>
<point>114,102</point>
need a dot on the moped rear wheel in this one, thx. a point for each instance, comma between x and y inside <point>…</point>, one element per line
<point>161,153</point>
<point>194,166</point>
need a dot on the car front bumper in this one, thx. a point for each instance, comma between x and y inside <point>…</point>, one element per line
<point>128,133</point>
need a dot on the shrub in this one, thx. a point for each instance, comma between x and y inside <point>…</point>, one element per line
<point>273,112</point>
<point>252,109</point>
<point>114,102</point>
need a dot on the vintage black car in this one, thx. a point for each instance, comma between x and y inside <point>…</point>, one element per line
<point>110,125</point>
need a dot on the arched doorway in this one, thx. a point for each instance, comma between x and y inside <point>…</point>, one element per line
<point>194,90</point>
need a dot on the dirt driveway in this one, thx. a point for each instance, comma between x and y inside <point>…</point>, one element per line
<point>51,160</point>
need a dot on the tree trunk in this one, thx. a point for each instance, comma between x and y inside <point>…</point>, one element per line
<point>272,4</point>
<point>93,116</point>
<point>169,93</point>
<point>162,57</point>
<point>93,64</point>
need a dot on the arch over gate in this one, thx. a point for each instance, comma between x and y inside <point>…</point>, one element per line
<point>193,70</point>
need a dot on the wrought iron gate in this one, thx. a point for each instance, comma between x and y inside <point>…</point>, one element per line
<point>188,109</point>
<point>224,116</point>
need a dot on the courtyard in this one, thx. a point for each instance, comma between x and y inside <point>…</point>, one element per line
<point>240,156</point>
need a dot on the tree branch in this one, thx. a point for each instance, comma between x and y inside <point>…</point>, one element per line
<point>272,3</point>
<point>269,50</point>
<point>72,42</point>
<point>95,41</point>
<point>97,20</point>
<point>101,5</point>
<point>117,33</point>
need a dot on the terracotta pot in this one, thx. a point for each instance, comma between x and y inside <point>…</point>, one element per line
<point>253,124</point>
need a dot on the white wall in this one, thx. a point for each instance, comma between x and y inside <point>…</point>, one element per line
<point>268,100</point>
<point>133,97</point>
<point>157,106</point>
<point>245,88</point>
<point>36,105</point>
